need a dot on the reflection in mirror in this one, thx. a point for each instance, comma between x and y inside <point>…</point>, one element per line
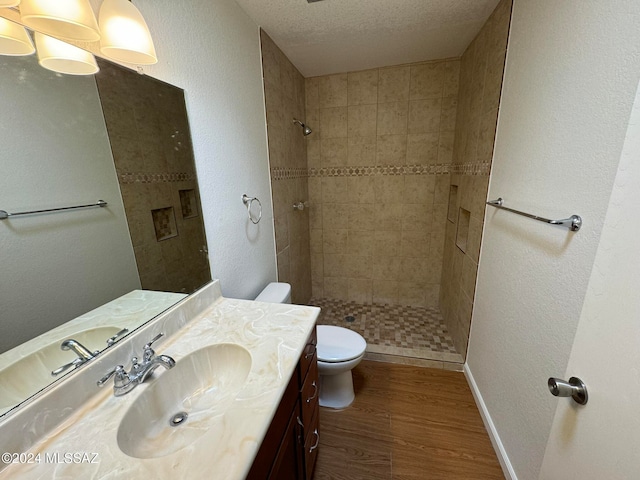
<point>61,137</point>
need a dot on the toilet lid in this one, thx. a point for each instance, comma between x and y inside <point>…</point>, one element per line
<point>337,344</point>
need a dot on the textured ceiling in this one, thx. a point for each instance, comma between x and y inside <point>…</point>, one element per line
<point>332,36</point>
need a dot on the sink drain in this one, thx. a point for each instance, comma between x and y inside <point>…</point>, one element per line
<point>178,419</point>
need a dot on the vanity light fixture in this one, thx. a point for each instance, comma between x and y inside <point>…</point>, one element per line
<point>66,19</point>
<point>14,39</point>
<point>125,35</point>
<point>59,56</point>
<point>122,33</point>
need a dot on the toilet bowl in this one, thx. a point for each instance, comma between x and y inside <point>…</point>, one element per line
<point>339,351</point>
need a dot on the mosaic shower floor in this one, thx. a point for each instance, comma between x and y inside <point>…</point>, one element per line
<point>397,333</point>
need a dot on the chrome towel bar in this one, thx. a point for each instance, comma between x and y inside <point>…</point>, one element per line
<point>573,223</point>
<point>4,214</point>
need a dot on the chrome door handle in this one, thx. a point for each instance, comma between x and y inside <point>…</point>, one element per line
<point>574,388</point>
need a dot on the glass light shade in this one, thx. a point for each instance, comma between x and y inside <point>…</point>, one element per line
<point>14,39</point>
<point>125,35</point>
<point>8,3</point>
<point>58,56</point>
<point>70,19</point>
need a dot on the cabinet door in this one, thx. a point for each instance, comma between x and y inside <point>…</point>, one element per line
<point>311,445</point>
<point>289,464</point>
<point>309,394</point>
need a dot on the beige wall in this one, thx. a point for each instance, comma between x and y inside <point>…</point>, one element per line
<point>284,99</point>
<point>481,70</point>
<point>211,50</point>
<point>378,166</point>
<point>561,130</point>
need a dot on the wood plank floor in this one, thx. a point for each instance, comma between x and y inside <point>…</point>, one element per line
<point>406,423</point>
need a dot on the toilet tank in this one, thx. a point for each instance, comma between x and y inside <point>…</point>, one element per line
<point>275,292</point>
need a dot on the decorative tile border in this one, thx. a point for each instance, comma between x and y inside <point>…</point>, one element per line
<point>471,169</point>
<point>161,177</point>
<point>283,173</point>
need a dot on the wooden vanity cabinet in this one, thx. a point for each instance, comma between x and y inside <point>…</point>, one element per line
<point>290,447</point>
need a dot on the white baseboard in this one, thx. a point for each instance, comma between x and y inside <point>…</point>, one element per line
<point>501,453</point>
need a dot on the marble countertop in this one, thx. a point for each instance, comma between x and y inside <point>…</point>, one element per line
<point>85,445</point>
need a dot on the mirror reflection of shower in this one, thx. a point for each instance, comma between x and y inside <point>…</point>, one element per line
<point>305,130</point>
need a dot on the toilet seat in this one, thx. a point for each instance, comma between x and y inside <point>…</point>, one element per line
<point>338,344</point>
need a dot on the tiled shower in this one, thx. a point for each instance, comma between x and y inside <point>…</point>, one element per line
<point>395,174</point>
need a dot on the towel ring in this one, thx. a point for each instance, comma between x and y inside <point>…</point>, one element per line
<point>248,201</point>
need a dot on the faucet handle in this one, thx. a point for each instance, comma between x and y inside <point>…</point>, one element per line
<point>153,340</point>
<point>135,364</point>
<point>148,352</point>
<point>120,377</point>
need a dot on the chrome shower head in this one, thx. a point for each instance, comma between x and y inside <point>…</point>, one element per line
<point>305,130</point>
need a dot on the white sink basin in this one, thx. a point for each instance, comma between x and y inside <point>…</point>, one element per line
<point>184,402</point>
<point>32,373</point>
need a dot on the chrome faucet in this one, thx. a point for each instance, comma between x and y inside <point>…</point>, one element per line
<point>84,355</point>
<point>124,382</point>
<point>78,349</point>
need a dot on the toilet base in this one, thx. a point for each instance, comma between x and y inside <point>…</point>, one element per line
<point>336,391</point>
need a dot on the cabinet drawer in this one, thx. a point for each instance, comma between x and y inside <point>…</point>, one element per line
<point>311,444</point>
<point>309,393</point>
<point>307,355</point>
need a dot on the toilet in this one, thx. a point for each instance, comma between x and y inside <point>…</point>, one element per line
<point>339,351</point>
<point>275,292</point>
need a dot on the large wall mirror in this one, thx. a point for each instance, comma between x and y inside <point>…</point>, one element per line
<point>91,275</point>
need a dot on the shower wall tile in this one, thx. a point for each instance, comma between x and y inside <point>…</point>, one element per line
<point>287,96</point>
<point>332,91</point>
<point>385,291</point>
<point>362,120</point>
<point>360,290</point>
<point>333,151</point>
<point>360,216</point>
<point>336,287</point>
<point>424,115</point>
<point>392,118</point>
<point>333,122</point>
<point>398,118</point>
<point>393,84</point>
<point>316,241</point>
<point>427,80</point>
<point>391,150</point>
<point>361,243</point>
<point>362,87</point>
<point>480,82</point>
<point>451,74</point>
<point>360,190</point>
<point>335,241</point>
<point>422,148</point>
<point>361,151</point>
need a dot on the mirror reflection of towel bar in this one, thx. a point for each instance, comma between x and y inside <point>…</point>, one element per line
<point>573,223</point>
<point>4,214</point>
